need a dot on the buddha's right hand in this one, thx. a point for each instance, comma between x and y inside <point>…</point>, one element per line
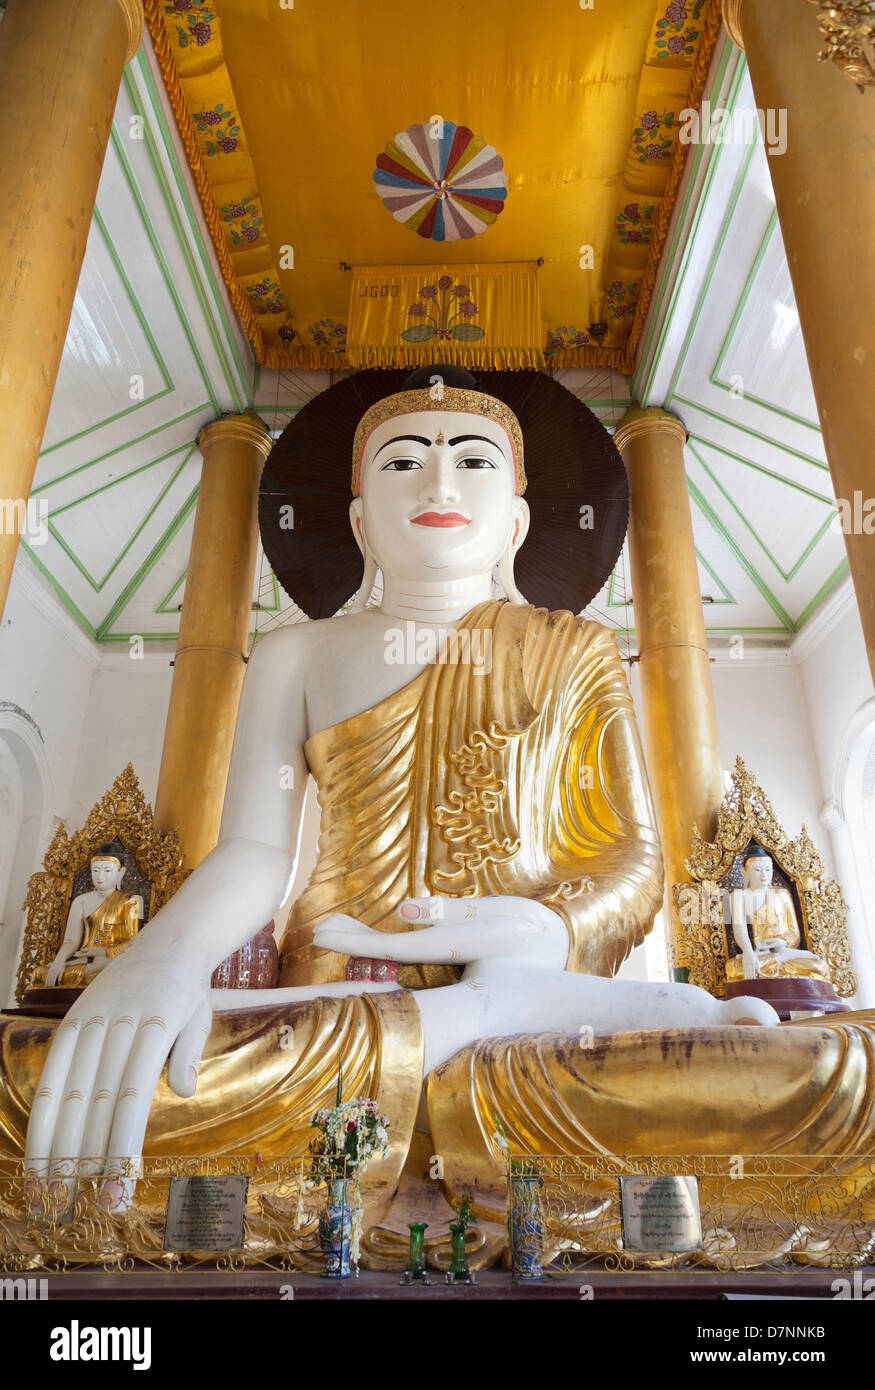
<point>92,1102</point>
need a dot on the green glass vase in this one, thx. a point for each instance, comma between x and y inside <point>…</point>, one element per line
<point>416,1256</point>
<point>459,1261</point>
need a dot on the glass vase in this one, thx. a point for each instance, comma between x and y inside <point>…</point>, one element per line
<point>335,1228</point>
<point>526,1229</point>
<point>459,1260</point>
<point>416,1256</point>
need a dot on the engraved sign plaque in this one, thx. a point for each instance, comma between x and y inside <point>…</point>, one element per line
<point>661,1214</point>
<point>205,1213</point>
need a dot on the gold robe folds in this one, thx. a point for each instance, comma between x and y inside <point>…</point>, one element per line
<point>511,765</point>
<point>110,926</point>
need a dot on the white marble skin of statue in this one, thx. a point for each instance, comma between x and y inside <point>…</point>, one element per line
<point>439,518</point>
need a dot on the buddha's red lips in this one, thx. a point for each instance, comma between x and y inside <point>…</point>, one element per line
<point>440,519</point>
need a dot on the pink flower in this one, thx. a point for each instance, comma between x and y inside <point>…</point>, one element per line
<point>210,117</point>
<point>227,144</point>
<point>676,12</point>
<point>650,120</point>
<point>615,287</point>
<point>631,211</point>
<point>250,233</point>
<point>202,33</point>
<point>677,43</point>
<point>634,235</point>
<point>428,292</point>
<point>653,151</point>
<point>469,308</point>
<point>460,291</point>
<point>418,311</point>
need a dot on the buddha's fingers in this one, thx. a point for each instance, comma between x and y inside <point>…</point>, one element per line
<point>75,1099</point>
<point>185,1056</point>
<point>113,1060</point>
<point>140,1078</point>
<point>47,1099</point>
<point>419,912</point>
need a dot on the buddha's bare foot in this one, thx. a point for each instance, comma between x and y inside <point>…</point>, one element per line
<point>749,1012</point>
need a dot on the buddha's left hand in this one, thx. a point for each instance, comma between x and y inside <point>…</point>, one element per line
<point>455,931</point>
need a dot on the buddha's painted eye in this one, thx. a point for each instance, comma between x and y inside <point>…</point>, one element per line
<point>475,463</point>
<point>401,465</point>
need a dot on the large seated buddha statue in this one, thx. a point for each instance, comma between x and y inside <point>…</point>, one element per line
<point>487,833</point>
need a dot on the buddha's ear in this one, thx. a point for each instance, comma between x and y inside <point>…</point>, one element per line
<point>360,598</point>
<point>356,522</point>
<point>522,517</point>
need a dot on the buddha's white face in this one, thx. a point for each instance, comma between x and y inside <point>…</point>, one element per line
<point>758,872</point>
<point>438,496</point>
<point>105,875</point>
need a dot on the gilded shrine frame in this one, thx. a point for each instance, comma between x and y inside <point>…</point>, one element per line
<point>122,814</point>
<point>746,814</point>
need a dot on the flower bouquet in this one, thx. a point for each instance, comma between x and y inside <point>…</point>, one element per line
<point>348,1135</point>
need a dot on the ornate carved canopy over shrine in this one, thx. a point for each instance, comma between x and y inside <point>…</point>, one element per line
<point>391,137</point>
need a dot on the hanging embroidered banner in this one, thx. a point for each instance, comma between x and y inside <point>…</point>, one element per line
<point>478,316</point>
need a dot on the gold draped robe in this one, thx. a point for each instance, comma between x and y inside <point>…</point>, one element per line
<point>521,775</point>
<point>111,925</point>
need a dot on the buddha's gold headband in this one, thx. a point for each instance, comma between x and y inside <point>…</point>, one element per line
<point>451,398</point>
<point>111,857</point>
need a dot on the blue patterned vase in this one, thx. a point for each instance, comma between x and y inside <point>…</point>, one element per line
<point>335,1228</point>
<point>526,1231</point>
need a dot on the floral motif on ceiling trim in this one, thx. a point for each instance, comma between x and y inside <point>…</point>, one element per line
<point>200,19</point>
<point>209,123</point>
<point>328,334</point>
<point>648,140</point>
<point>675,35</point>
<point>244,219</point>
<point>266,296</point>
<point>441,306</point>
<point>622,297</point>
<point>565,337</point>
<point>635,223</point>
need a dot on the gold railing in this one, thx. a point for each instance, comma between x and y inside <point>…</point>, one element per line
<point>776,1210</point>
<point>64,1222</point>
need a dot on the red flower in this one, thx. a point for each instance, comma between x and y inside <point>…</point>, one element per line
<point>350,1127</point>
<point>653,151</point>
<point>182,4</point>
<point>428,292</point>
<point>631,211</point>
<point>469,308</point>
<point>650,120</point>
<point>250,233</point>
<point>202,33</point>
<point>634,235</point>
<point>444,282</point>
<point>210,117</point>
<point>460,291</point>
<point>227,144</point>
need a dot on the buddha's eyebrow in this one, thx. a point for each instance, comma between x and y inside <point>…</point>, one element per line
<point>399,438</point>
<point>463,439</point>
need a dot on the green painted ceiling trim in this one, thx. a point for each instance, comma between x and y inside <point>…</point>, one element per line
<point>151,512</point>
<point>838,574</point>
<point>770,472</point>
<point>727,597</point>
<point>639,392</point>
<point>715,378</point>
<point>150,561</point>
<point>171,592</point>
<point>182,191</point>
<point>740,514</point>
<point>712,266</point>
<point>123,448</point>
<point>754,434</point>
<point>158,252</point>
<point>756,578</point>
<point>61,593</point>
<point>168,386</point>
<point>114,482</point>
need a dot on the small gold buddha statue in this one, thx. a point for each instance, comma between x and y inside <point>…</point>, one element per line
<point>765,927</point>
<point>99,924</point>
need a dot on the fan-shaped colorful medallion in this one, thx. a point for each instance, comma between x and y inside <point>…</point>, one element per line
<point>441,180</point>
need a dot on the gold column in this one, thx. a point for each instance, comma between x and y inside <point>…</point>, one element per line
<point>61,63</point>
<point>680,720</point>
<point>213,635</point>
<point>825,193</point>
